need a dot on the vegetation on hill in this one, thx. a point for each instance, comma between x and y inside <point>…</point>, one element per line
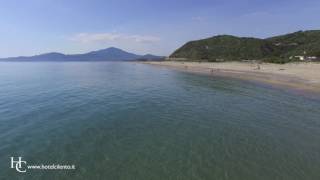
<point>298,43</point>
<point>278,49</point>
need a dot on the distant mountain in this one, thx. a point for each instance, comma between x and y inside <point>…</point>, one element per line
<point>275,49</point>
<point>109,54</point>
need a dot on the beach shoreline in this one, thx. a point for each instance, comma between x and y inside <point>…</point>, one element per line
<point>301,77</point>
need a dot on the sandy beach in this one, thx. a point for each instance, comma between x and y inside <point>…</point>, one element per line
<point>301,76</point>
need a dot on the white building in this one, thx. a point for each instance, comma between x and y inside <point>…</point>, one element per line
<point>301,58</point>
<point>312,58</point>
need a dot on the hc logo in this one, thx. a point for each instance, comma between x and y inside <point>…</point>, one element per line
<point>18,164</point>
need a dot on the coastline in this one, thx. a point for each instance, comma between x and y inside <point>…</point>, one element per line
<point>303,77</point>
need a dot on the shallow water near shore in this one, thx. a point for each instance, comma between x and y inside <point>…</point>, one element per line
<point>135,121</point>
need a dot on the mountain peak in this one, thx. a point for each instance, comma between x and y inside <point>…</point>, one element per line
<point>108,50</point>
<point>113,48</point>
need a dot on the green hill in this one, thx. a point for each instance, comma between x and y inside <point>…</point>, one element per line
<point>298,43</point>
<point>275,49</point>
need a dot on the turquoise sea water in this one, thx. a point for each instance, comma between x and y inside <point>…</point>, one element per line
<point>134,121</point>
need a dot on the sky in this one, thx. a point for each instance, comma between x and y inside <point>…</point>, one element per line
<point>142,26</point>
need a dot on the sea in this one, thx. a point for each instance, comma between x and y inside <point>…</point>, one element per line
<point>127,121</point>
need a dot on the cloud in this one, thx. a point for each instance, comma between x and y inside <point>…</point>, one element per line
<point>198,19</point>
<point>112,37</point>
